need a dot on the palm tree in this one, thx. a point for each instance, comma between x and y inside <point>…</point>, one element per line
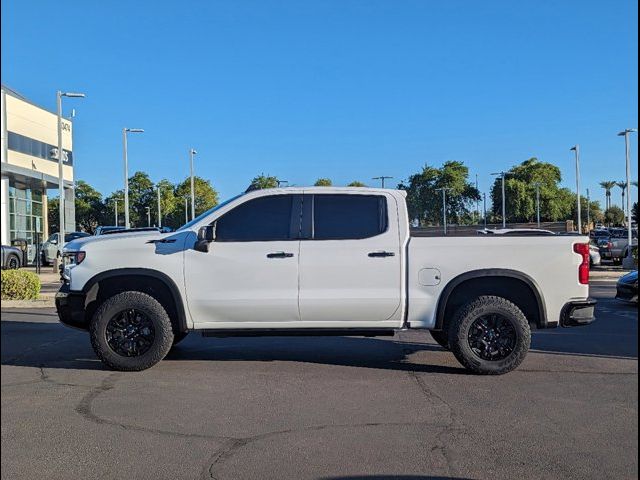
<point>608,185</point>
<point>623,186</point>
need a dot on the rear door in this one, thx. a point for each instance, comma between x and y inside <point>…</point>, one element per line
<point>350,259</point>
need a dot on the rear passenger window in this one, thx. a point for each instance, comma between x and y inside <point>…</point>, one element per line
<point>261,219</point>
<point>341,217</point>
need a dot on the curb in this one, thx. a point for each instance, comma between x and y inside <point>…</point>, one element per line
<point>45,301</point>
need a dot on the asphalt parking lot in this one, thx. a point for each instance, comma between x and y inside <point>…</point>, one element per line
<point>321,408</point>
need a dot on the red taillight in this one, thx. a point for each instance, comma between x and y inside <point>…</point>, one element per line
<point>583,269</point>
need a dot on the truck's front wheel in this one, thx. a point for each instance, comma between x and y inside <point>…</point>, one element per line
<point>131,331</point>
<point>490,335</point>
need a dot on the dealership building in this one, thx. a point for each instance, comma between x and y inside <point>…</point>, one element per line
<point>30,168</point>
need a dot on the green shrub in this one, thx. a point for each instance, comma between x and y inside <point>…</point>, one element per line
<point>20,285</point>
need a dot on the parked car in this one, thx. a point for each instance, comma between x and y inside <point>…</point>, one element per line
<point>517,232</point>
<point>51,248</point>
<point>107,229</point>
<point>594,253</point>
<point>627,287</point>
<point>320,261</point>
<point>12,257</point>
<point>620,244</point>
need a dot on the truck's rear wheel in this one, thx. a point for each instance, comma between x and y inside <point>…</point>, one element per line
<point>441,337</point>
<point>490,335</point>
<point>131,331</point>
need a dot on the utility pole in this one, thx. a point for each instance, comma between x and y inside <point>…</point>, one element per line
<point>115,201</point>
<point>192,152</point>
<point>382,178</point>
<point>588,211</point>
<point>576,148</point>
<point>186,210</point>
<point>628,261</point>
<point>537,185</point>
<point>477,200</point>
<point>444,206</point>
<point>159,209</point>
<point>61,203</point>
<point>148,216</point>
<point>484,198</point>
<point>503,175</point>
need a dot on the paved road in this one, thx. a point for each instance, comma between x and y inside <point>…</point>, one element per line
<point>321,408</point>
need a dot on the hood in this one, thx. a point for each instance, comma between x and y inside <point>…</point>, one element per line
<point>114,238</point>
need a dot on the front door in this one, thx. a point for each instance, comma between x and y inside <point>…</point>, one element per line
<point>249,277</point>
<point>350,263</point>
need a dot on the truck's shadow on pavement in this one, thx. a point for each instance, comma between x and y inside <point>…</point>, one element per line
<point>35,344</point>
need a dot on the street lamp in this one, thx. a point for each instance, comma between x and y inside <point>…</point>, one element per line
<point>60,153</point>
<point>444,205</point>
<point>588,211</point>
<point>148,216</point>
<point>537,185</point>
<point>625,133</point>
<point>382,178</point>
<point>159,211</point>
<point>192,152</point>
<point>126,172</point>
<point>576,148</point>
<point>484,199</point>
<point>503,175</point>
<point>186,210</point>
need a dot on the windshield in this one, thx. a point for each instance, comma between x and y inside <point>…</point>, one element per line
<point>207,213</point>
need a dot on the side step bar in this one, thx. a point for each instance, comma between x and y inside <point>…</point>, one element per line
<point>300,332</point>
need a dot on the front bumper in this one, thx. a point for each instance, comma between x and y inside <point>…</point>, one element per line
<point>71,307</point>
<point>627,292</point>
<point>578,313</point>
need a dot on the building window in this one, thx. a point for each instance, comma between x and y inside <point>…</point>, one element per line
<point>35,148</point>
<point>26,220</point>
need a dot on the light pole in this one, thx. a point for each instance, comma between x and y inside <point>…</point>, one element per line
<point>148,216</point>
<point>537,185</point>
<point>484,198</point>
<point>444,206</point>
<point>61,203</point>
<point>192,152</point>
<point>115,210</point>
<point>576,148</point>
<point>159,211</point>
<point>382,178</point>
<point>186,210</point>
<point>588,210</point>
<point>625,133</point>
<point>478,200</point>
<point>126,172</point>
<point>503,175</point>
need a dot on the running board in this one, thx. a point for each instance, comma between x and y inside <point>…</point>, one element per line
<point>300,332</point>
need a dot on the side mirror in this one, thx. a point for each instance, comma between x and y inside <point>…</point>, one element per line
<point>206,235</point>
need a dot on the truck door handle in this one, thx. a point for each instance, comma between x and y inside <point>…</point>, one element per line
<point>381,254</point>
<point>279,255</point>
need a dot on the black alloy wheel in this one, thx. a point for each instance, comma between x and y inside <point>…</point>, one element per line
<point>492,337</point>
<point>130,333</point>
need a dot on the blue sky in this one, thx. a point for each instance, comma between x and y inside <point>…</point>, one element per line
<point>343,89</point>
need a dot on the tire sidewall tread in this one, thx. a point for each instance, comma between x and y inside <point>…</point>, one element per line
<point>464,318</point>
<point>163,335</point>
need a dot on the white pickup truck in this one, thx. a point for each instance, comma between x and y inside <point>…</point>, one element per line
<point>320,261</point>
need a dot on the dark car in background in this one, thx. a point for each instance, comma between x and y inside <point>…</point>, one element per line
<point>108,229</point>
<point>627,287</point>
<point>12,257</point>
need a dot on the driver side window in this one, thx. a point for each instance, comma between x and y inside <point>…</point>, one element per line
<point>261,219</point>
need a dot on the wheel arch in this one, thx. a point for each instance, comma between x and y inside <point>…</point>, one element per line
<point>513,285</point>
<point>153,282</point>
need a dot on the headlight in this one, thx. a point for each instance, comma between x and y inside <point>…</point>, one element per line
<point>70,260</point>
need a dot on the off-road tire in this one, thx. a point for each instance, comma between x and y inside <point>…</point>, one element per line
<point>464,318</point>
<point>163,333</point>
<point>441,337</point>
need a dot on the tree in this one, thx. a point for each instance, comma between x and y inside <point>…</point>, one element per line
<point>53,214</point>
<point>623,187</point>
<point>169,203</point>
<point>205,195</point>
<point>556,203</point>
<point>323,182</point>
<point>263,181</point>
<point>614,216</point>
<point>424,201</point>
<point>608,186</point>
<point>141,196</point>
<point>89,207</point>
<point>356,183</point>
